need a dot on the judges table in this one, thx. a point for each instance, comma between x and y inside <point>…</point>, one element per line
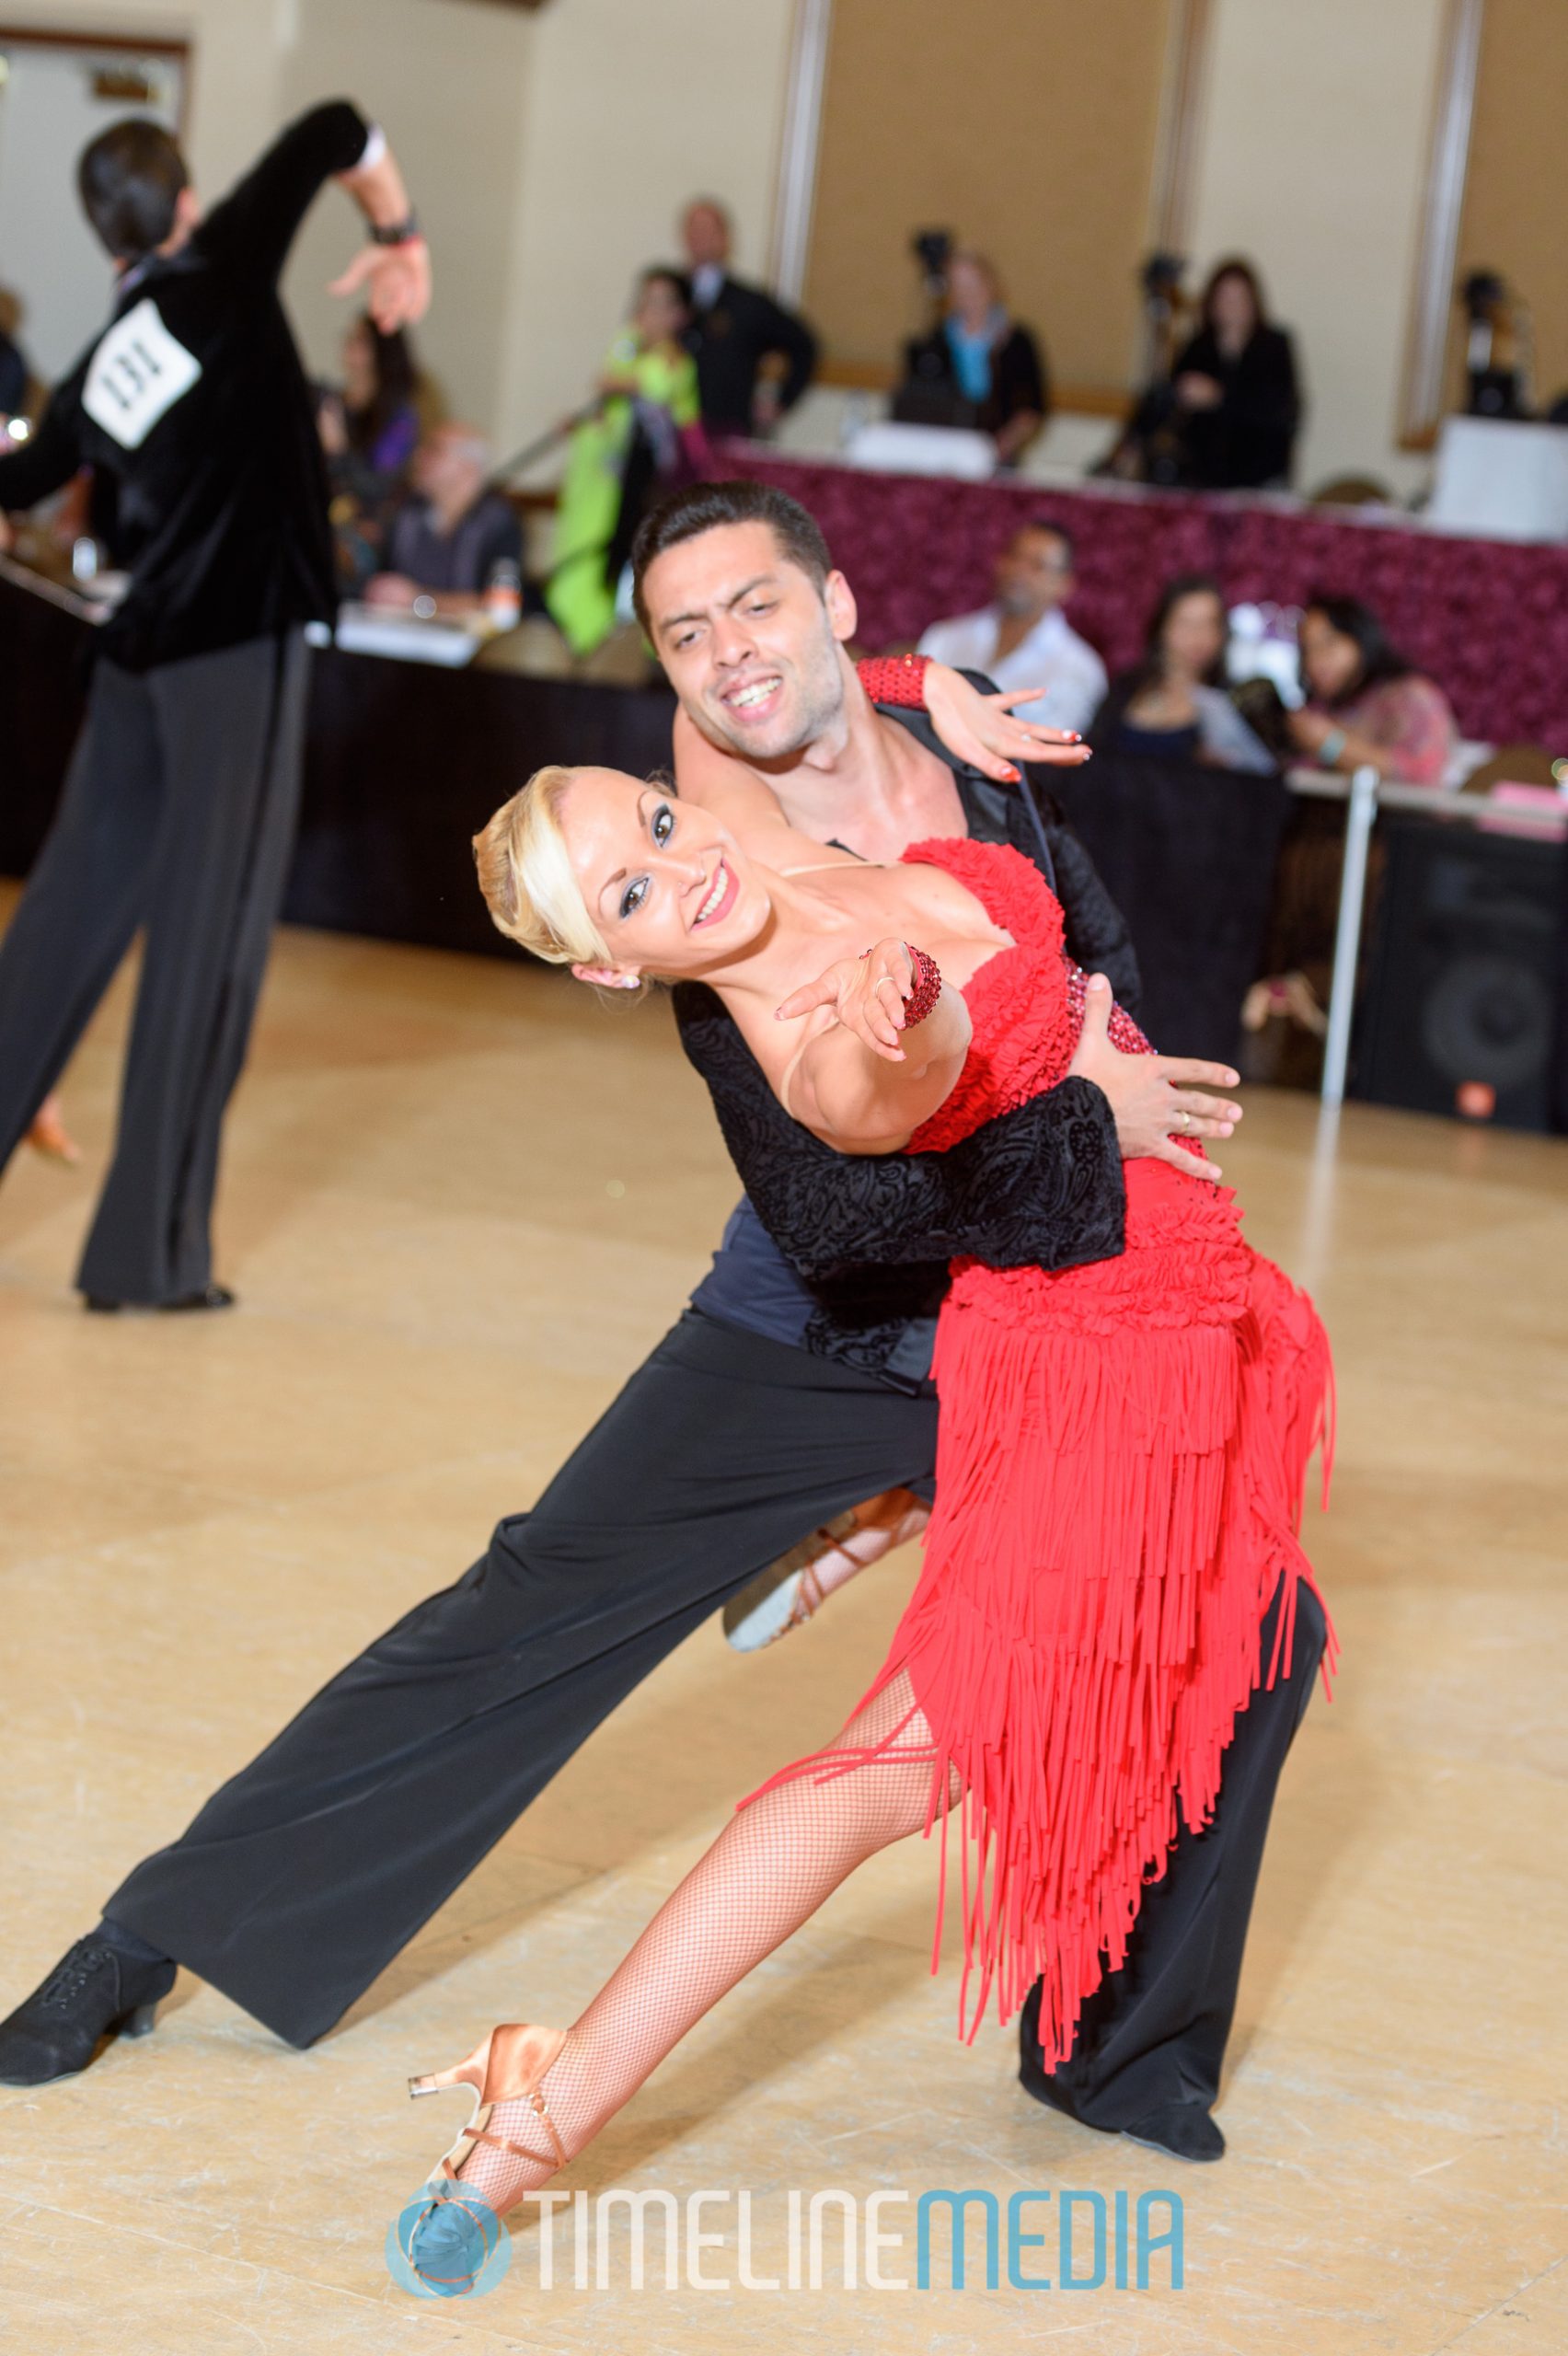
<point>1488,618</point>
<point>405,762</point>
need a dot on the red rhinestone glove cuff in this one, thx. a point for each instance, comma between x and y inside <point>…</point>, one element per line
<point>898,679</point>
<point>927,986</point>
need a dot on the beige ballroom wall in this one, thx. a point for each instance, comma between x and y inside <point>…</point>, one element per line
<point>633,106</point>
<point>1312,160</point>
<point>449,80</point>
<point>237,58</point>
<point>549,153</point>
<point>1028,127</point>
<point>448,77</point>
<point>1514,219</point>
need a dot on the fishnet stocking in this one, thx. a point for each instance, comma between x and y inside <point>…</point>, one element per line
<point>768,1871</point>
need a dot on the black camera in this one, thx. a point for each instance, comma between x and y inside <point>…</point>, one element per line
<point>1481,293</point>
<point>932,249</point>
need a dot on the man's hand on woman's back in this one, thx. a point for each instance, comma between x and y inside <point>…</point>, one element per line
<point>1155,1099</point>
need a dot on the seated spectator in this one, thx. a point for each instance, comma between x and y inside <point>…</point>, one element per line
<point>13,378</point>
<point>1366,705</point>
<point>644,438</point>
<point>1234,388</point>
<point>378,400</point>
<point>734,328</point>
<point>1024,638</point>
<point>445,541</point>
<point>1172,706</point>
<point>369,431</point>
<point>986,364</point>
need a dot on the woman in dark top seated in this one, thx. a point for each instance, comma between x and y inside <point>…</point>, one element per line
<point>985,362</point>
<point>369,431</point>
<point>1172,706</point>
<point>1235,388</point>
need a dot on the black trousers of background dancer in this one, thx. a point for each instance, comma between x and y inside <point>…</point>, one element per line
<point>304,1875</point>
<point>177,820</point>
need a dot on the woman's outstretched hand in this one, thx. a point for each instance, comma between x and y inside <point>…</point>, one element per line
<point>1153,1099</point>
<point>866,994</point>
<point>983,731</point>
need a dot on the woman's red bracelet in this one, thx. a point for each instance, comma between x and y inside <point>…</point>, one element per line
<point>927,986</point>
<point>896,679</point>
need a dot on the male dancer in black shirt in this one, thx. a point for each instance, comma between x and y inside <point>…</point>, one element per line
<point>304,1875</point>
<point>178,813</point>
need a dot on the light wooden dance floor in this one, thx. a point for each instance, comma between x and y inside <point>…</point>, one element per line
<point>461,1200</point>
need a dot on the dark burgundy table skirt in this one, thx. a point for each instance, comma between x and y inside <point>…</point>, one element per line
<point>1487,618</point>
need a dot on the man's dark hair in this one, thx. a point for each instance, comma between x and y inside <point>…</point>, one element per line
<point>129,180</point>
<point>1353,618</point>
<point>704,506</point>
<point>1058,532</point>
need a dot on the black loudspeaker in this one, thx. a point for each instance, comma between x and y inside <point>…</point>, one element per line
<point>1461,1009</point>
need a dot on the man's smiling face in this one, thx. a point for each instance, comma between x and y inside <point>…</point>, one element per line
<point>750,643</point>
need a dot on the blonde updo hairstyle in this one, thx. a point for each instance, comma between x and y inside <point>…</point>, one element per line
<point>526,875</point>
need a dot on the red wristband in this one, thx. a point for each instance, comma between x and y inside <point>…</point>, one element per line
<point>927,986</point>
<point>897,679</point>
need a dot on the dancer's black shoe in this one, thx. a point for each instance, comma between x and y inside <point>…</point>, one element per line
<point>95,1991</point>
<point>1184,2129</point>
<point>206,1297</point>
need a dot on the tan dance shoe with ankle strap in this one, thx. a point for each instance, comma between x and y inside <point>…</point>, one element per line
<point>508,2067</point>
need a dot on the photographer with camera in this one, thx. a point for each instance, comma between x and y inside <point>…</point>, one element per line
<point>977,367</point>
<point>1497,348</point>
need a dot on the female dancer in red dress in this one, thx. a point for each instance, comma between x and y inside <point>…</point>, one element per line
<point>1121,1453</point>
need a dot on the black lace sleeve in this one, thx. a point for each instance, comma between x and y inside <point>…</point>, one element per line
<point>1041,1187</point>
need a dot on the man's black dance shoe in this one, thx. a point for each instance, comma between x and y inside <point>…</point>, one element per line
<point>95,1991</point>
<point>206,1297</point>
<point>1182,2128</point>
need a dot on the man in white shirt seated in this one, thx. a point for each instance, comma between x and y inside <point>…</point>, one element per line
<point>1024,638</point>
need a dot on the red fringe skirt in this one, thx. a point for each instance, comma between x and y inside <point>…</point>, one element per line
<point>1120,1462</point>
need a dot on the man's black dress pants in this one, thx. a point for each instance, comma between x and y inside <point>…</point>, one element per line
<point>177,820</point>
<point>302,1876</point>
<point>1155,2032</point>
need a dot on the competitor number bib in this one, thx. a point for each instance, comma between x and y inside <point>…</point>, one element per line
<point>138,371</point>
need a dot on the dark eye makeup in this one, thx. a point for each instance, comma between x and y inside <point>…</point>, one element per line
<point>661,826</point>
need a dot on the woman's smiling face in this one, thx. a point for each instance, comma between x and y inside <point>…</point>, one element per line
<point>666,885</point>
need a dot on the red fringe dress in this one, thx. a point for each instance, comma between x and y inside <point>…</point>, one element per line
<point>1121,1460</point>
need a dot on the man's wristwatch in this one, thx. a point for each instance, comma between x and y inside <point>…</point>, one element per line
<point>395,233</point>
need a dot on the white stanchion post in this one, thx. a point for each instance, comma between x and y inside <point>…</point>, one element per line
<point>1360,812</point>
